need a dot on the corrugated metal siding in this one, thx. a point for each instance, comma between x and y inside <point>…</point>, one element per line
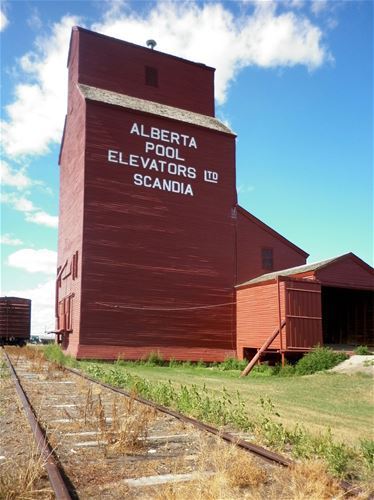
<point>257,316</point>
<point>303,314</point>
<point>251,238</point>
<point>15,317</point>
<point>119,66</point>
<point>346,273</point>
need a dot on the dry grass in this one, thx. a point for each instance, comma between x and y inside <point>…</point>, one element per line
<point>23,479</point>
<point>226,472</point>
<point>129,427</point>
<point>122,428</point>
<point>305,481</point>
<point>223,471</point>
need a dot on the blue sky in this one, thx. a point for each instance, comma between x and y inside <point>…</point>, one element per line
<point>294,80</point>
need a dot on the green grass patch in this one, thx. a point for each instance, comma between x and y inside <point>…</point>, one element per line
<point>53,353</point>
<point>362,350</point>
<point>321,358</point>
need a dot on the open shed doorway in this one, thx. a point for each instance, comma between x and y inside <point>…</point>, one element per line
<point>347,317</point>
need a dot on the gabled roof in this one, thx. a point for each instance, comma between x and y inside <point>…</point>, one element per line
<point>315,266</point>
<point>274,233</point>
<point>134,103</point>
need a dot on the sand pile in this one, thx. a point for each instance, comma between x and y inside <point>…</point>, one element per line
<point>356,364</point>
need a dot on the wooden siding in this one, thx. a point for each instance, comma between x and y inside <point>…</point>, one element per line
<point>15,316</point>
<point>68,288</point>
<point>348,272</point>
<point>152,258</point>
<point>111,352</point>
<point>112,64</point>
<point>257,316</point>
<point>251,237</point>
<point>303,314</point>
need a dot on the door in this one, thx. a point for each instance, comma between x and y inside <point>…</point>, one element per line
<point>303,314</point>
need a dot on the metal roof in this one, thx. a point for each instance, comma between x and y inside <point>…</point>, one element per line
<point>293,270</point>
<point>125,101</point>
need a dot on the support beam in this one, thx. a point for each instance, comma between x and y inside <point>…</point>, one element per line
<point>257,356</point>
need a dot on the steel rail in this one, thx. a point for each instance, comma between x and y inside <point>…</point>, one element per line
<point>226,436</point>
<point>56,478</point>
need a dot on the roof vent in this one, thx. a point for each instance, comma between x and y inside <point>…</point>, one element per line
<point>151,44</point>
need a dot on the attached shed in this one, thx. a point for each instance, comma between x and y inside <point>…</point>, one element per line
<point>328,302</point>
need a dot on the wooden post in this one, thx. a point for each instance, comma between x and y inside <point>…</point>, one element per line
<point>279,315</point>
<point>263,348</point>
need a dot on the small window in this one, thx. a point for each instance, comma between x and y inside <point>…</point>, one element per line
<point>151,76</point>
<point>267,259</point>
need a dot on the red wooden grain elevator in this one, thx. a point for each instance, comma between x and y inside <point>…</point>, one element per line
<point>147,207</point>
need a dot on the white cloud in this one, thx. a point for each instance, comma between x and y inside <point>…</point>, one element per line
<point>32,213</point>
<point>34,21</point>
<point>42,305</point>
<point>42,218</point>
<point>297,4</point>
<point>17,202</point>
<point>8,239</point>
<point>12,177</point>
<point>211,34</point>
<point>36,115</point>
<point>34,261</point>
<point>3,21</point>
<point>318,6</point>
<point>245,188</point>
<point>207,33</point>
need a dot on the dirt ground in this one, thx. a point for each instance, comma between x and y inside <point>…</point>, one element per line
<point>356,364</point>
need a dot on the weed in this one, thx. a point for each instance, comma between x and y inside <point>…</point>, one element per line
<point>232,364</point>
<point>367,450</point>
<point>223,471</point>
<point>173,363</point>
<point>283,371</point>
<point>369,362</point>
<point>187,364</point>
<point>129,426</point>
<point>23,478</point>
<point>362,350</point>
<point>154,359</point>
<point>305,481</point>
<point>272,432</point>
<point>321,358</point>
<point>262,370</point>
<point>200,364</point>
<point>53,352</point>
<point>4,372</point>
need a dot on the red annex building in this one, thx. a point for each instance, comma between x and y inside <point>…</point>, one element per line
<point>151,240</point>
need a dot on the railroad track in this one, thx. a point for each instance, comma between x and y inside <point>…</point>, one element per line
<point>99,441</point>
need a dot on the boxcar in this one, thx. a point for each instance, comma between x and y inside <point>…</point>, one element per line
<point>15,316</point>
